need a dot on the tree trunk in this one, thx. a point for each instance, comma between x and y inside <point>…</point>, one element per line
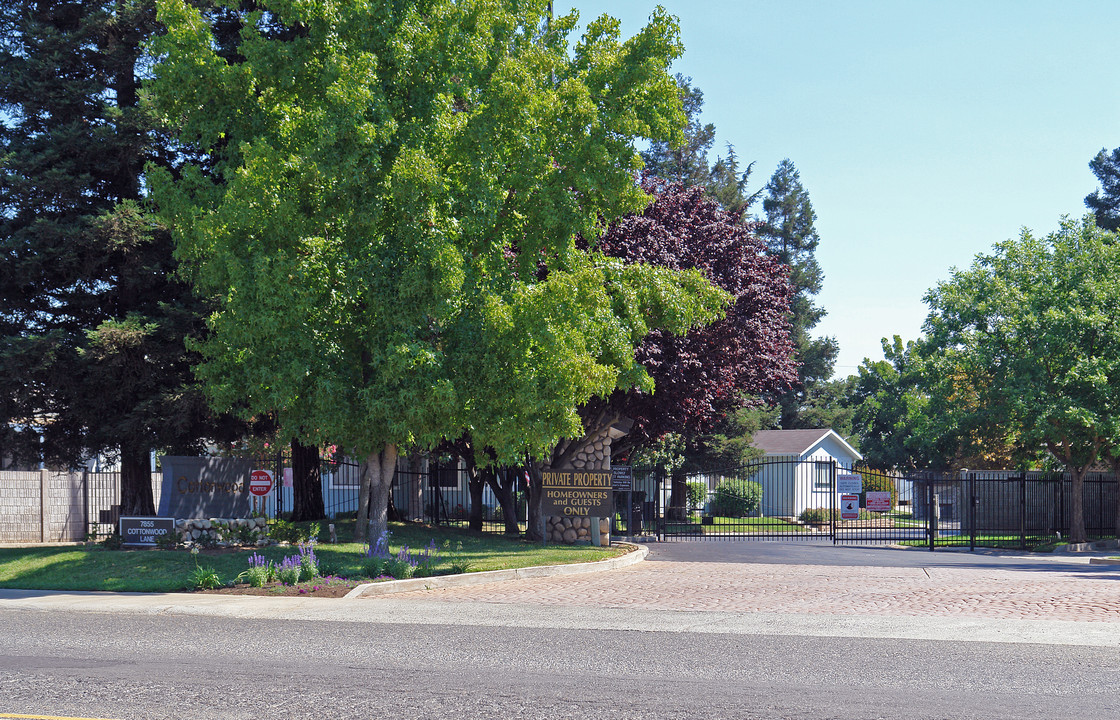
<point>414,492</point>
<point>307,486</point>
<point>502,483</point>
<point>1077,505</point>
<point>136,481</point>
<point>534,527</point>
<point>475,483</point>
<point>678,495</point>
<point>373,494</point>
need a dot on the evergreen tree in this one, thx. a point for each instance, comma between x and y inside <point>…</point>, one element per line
<point>93,321</point>
<point>791,236</point>
<point>1105,202</point>
<point>688,165</point>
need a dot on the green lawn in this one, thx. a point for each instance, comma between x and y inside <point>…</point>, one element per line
<point>144,570</point>
<point>729,525</point>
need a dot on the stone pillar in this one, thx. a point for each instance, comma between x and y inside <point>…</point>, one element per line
<point>595,455</point>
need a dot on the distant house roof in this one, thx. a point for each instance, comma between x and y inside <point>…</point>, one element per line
<point>797,442</point>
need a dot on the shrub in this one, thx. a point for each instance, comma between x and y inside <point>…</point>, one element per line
<point>400,569</point>
<point>376,557</point>
<point>308,563</point>
<point>171,541</point>
<point>205,578</point>
<point>425,562</point>
<point>285,531</point>
<point>819,515</point>
<point>112,541</point>
<point>697,495</point>
<point>247,535</point>
<point>816,516</point>
<point>289,570</point>
<point>260,570</point>
<point>735,498</point>
<point>373,567</point>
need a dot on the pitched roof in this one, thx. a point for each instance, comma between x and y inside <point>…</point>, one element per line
<point>795,442</point>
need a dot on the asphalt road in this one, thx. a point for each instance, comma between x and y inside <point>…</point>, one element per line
<point>123,657</point>
<point>127,666</point>
<point>822,552</point>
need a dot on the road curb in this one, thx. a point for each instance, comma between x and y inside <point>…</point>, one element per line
<point>637,555</point>
<point>1104,561</point>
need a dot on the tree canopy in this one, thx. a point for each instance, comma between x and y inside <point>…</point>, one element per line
<point>687,162</point>
<point>1105,200</point>
<point>1031,331</point>
<point>92,330</point>
<point>390,210</point>
<point>789,229</point>
<point>712,371</point>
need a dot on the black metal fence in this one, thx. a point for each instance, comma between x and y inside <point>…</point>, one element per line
<point>816,500</point>
<point>776,499</point>
<point>422,491</point>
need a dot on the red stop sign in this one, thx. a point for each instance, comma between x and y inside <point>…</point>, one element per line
<point>260,482</point>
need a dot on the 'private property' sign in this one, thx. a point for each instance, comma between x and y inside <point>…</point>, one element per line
<point>577,493</point>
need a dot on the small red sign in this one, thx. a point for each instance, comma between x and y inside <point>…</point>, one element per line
<point>260,482</point>
<point>849,507</point>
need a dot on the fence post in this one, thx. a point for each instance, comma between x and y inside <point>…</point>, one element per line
<point>1023,511</point>
<point>85,502</point>
<point>832,510</point>
<point>660,510</point>
<point>931,513</point>
<point>278,483</point>
<point>973,502</point>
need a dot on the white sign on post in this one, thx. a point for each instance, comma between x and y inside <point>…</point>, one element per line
<point>849,483</point>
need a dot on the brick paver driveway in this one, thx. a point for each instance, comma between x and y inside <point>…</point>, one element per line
<point>980,587</point>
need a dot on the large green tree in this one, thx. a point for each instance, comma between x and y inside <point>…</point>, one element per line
<point>894,419</point>
<point>389,212</point>
<point>93,322</point>
<point>1032,331</point>
<point>789,229</point>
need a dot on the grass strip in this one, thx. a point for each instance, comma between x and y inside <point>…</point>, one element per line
<point>92,567</point>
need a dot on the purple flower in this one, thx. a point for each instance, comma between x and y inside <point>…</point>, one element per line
<point>380,549</point>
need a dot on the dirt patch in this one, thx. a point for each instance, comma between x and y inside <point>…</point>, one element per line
<point>320,587</point>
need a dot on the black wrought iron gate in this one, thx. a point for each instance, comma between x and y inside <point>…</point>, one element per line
<point>803,499</point>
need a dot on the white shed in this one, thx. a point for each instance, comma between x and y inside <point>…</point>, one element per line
<point>796,472</point>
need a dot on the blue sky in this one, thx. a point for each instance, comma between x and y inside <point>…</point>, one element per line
<point>924,132</point>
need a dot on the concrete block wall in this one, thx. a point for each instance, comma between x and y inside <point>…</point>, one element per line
<point>41,506</point>
<point>65,508</point>
<point>20,507</point>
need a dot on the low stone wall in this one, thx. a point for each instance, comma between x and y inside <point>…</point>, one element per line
<point>574,530</point>
<point>222,531</point>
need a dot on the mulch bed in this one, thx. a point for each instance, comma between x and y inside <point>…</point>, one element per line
<point>321,587</point>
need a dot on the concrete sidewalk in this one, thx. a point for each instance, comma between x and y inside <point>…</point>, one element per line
<point>1067,602</point>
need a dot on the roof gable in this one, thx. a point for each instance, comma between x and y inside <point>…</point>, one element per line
<point>798,442</point>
